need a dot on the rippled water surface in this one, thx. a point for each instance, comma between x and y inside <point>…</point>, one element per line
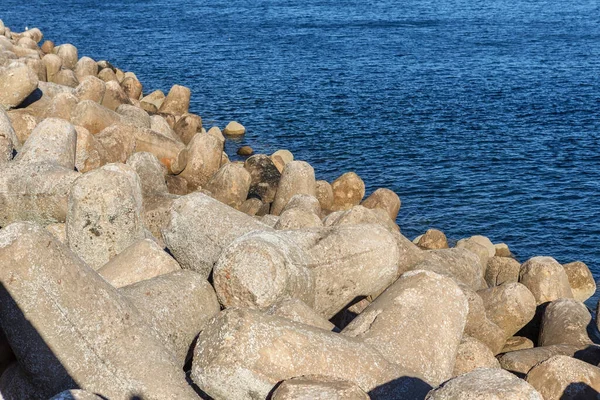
<point>482,116</point>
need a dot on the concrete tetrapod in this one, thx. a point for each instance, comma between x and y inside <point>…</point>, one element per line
<point>35,192</point>
<point>581,280</point>
<point>200,227</point>
<point>298,177</point>
<point>417,323</point>
<point>105,213</point>
<point>8,138</point>
<point>473,354</point>
<point>326,268</point>
<point>177,305</point>
<point>510,306</point>
<point>459,263</point>
<point>261,268</point>
<point>53,140</point>
<point>565,378</point>
<point>520,362</point>
<point>565,321</point>
<point>349,261</point>
<point>485,384</point>
<point>479,326</point>
<point>546,279</point>
<point>68,326</point>
<point>243,354</point>
<point>142,260</point>
<point>318,388</point>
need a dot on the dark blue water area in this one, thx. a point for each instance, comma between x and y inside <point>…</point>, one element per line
<point>483,116</point>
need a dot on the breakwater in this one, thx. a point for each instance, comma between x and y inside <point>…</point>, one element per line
<point>138,255</point>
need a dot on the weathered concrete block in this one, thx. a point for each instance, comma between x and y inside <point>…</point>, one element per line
<point>141,261</point>
<point>38,67</point>
<point>230,185</point>
<point>90,88</point>
<point>234,128</point>
<point>66,324</point>
<point>417,323</point>
<point>94,117</point>
<point>22,123</point>
<point>160,125</point>
<point>348,191</point>
<point>298,311</point>
<point>59,231</point>
<point>502,250</point>
<point>252,206</point>
<point>481,240</point>
<point>304,202</point>
<point>35,34</point>
<point>479,326</point>
<point>89,153</point>
<point>68,53</point>
<point>517,343</point>
<point>261,268</point>
<point>298,177</point>
<point>581,280</point>
<point>177,101</point>
<point>565,378</point>
<point>63,106</point>
<point>473,354</point>
<point>546,279</point>
<point>361,215</point>
<point>155,99</point>
<point>8,138</point>
<point>433,239</point>
<point>53,141</point>
<point>66,77</point>
<point>264,177</point>
<point>107,75</point>
<point>199,229</point>
<point>204,160</point>
<point>297,218</point>
<point>521,361</point>
<point>114,96</point>
<point>384,199</point>
<point>105,213</point>
<point>178,305</point>
<point>41,101</point>
<point>461,264</point>
<point>324,194</point>
<point>502,270</point>
<point>132,87</point>
<point>510,306</point>
<point>47,46</point>
<point>86,67</point>
<point>316,388</point>
<point>350,261</point>
<point>235,357</point>
<point>133,115</point>
<point>27,43</point>
<point>151,172</point>
<point>17,81</point>
<point>35,192</point>
<point>171,153</point>
<point>485,384</point>
<point>118,142</point>
<point>187,126</point>
<point>565,321</point>
<point>477,248</point>
<point>157,213</point>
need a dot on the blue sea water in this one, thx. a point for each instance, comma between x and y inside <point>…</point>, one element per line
<point>483,116</point>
